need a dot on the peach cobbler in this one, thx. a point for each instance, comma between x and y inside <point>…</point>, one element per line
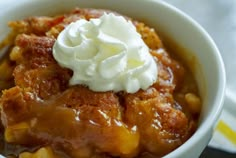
<point>43,115</point>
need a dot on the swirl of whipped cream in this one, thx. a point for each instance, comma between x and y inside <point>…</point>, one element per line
<point>106,54</point>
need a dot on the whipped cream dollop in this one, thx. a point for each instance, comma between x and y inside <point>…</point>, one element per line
<point>106,54</point>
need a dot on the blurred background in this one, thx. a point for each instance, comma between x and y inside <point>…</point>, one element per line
<point>218,18</point>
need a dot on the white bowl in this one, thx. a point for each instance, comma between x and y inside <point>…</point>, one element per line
<point>208,67</point>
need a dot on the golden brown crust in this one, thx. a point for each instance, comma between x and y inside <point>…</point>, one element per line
<point>162,127</point>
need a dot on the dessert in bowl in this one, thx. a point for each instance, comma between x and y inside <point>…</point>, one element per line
<point>119,94</point>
